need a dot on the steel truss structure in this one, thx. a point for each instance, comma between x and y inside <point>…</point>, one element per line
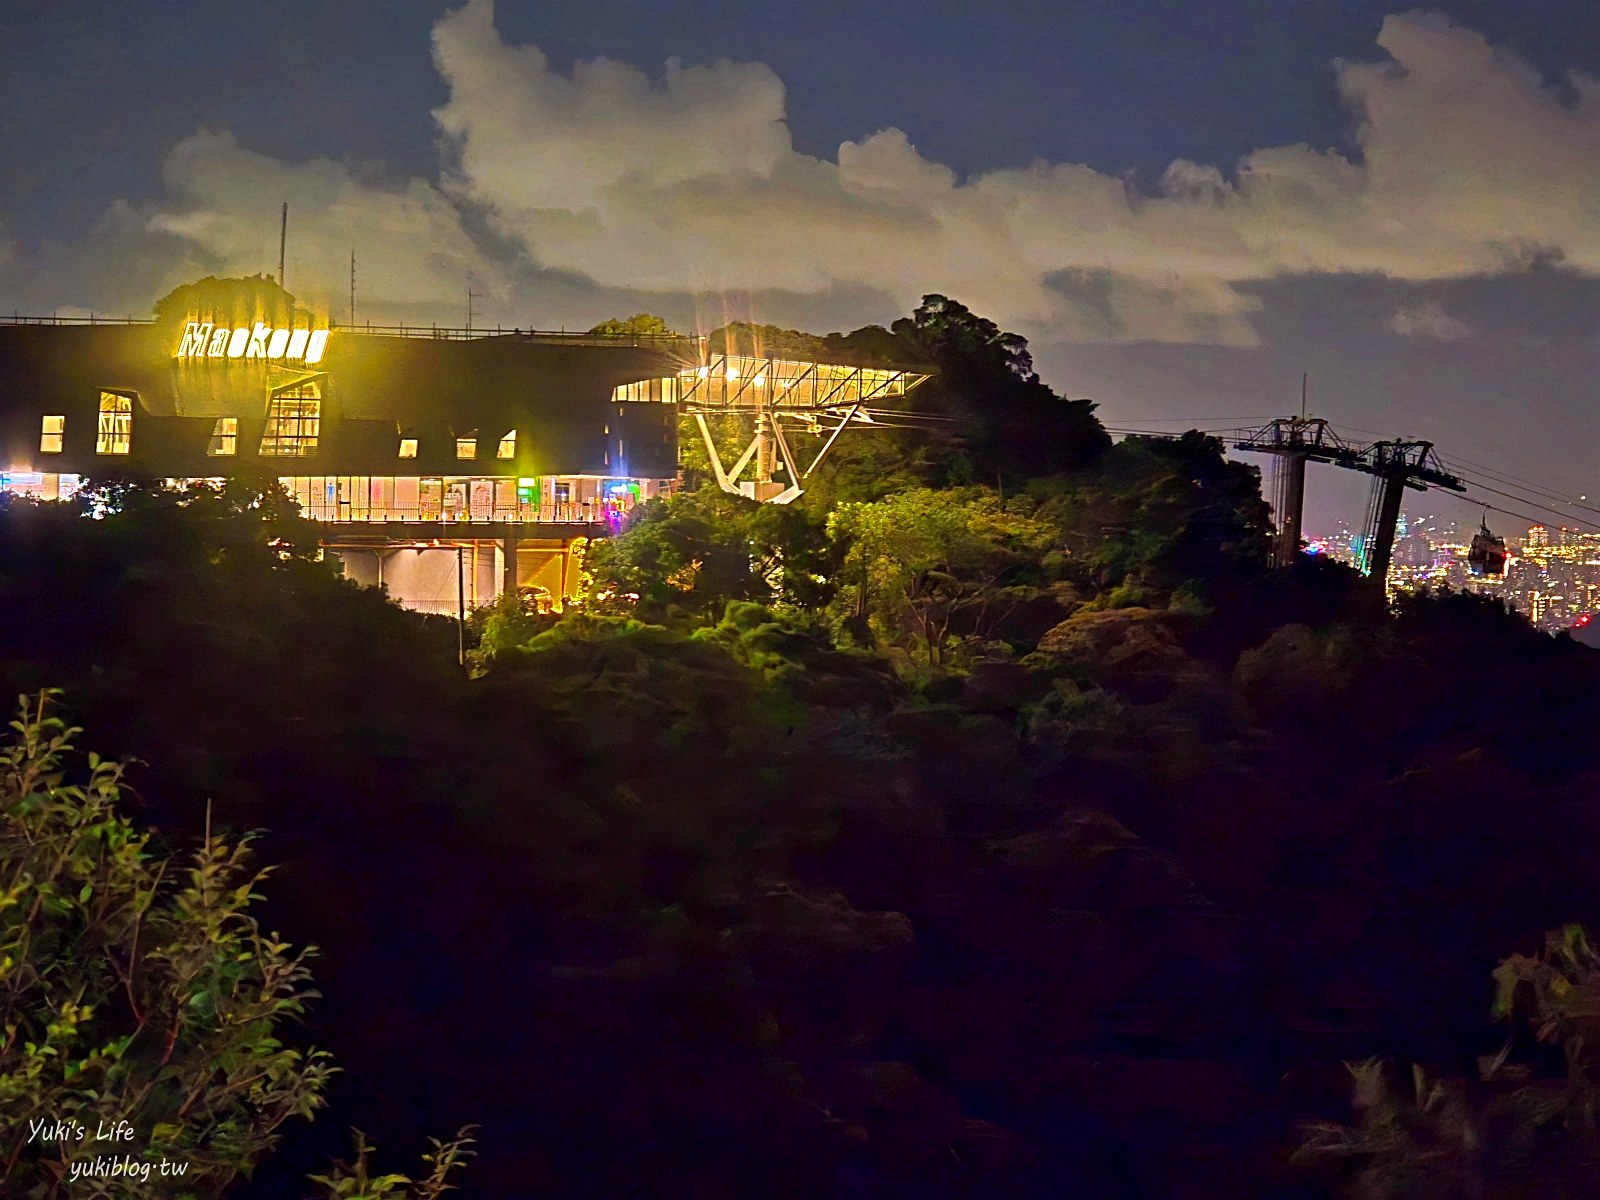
<point>774,398</point>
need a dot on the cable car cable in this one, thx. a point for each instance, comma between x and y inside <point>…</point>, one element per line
<point>1531,503</point>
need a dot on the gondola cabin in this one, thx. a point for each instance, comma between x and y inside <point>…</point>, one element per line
<point>1487,554</point>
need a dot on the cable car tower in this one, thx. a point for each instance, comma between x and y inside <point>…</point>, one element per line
<point>1295,441</point>
<point>1396,466</point>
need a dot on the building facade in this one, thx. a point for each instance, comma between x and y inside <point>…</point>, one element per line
<point>446,465</point>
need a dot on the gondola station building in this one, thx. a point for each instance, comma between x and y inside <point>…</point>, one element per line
<point>446,465</point>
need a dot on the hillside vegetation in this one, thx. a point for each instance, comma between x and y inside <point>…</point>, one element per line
<point>990,822</point>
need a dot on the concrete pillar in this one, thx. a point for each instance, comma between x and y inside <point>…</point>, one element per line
<point>508,568</point>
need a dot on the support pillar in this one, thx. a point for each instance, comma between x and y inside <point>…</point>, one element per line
<point>508,569</point>
<point>1294,499</point>
<point>1381,551</point>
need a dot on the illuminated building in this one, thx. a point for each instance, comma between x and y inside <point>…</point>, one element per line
<point>446,465</point>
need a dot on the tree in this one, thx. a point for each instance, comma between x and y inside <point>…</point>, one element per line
<point>927,571</point>
<point>236,300</point>
<point>1162,511</point>
<point>136,992</point>
<point>696,551</point>
<point>141,1002</point>
<point>947,330</point>
<point>1507,1133</point>
<point>1015,425</point>
<point>639,325</point>
<point>765,341</point>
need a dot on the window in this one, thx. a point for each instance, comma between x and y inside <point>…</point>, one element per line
<point>294,419</point>
<point>508,446</point>
<point>224,438</point>
<point>467,447</point>
<point>115,435</point>
<point>408,447</point>
<point>52,432</point>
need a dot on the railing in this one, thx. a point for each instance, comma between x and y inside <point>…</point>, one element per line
<point>650,341</point>
<point>656,341</point>
<point>555,514</point>
<point>92,319</point>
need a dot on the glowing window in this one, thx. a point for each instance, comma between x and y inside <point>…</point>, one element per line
<point>224,438</point>
<point>294,419</point>
<point>408,447</point>
<point>52,432</point>
<point>508,446</point>
<point>115,435</point>
<point>467,447</point>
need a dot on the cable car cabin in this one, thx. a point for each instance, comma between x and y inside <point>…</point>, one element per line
<point>1487,554</point>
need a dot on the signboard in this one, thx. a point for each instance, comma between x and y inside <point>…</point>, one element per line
<point>203,339</point>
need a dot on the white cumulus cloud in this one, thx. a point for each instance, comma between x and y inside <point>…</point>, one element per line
<point>1428,319</point>
<point>688,182</point>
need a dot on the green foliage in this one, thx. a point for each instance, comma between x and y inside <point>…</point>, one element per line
<point>639,325</point>
<point>133,988</point>
<point>242,514</point>
<point>765,341</point>
<point>512,620</point>
<point>694,552</point>
<point>1510,1132</point>
<point>944,329</point>
<point>1560,991</point>
<point>238,301</point>
<point>1011,425</point>
<point>1161,513</point>
<point>796,650</point>
<point>931,572</point>
<point>356,1181</point>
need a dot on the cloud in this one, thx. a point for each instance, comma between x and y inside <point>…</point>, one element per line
<point>412,246</point>
<point>689,183</point>
<point>1428,319</point>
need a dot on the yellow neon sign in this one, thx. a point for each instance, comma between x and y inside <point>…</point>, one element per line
<point>203,339</point>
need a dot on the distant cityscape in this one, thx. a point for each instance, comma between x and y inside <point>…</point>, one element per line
<point>1552,574</point>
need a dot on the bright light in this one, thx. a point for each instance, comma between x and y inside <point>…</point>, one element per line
<point>204,340</point>
<point>703,372</point>
<point>733,372</point>
<point>760,381</point>
<point>195,338</point>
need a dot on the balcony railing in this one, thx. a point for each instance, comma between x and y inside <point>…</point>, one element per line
<point>653,341</point>
<point>17,318</point>
<point>555,514</point>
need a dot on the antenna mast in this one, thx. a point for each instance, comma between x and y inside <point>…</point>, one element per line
<point>283,240</point>
<point>352,288</point>
<point>471,296</point>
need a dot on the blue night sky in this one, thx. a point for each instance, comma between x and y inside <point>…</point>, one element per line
<point>1182,204</point>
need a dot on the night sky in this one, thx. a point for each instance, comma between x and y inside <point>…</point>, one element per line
<point>1183,205</point>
